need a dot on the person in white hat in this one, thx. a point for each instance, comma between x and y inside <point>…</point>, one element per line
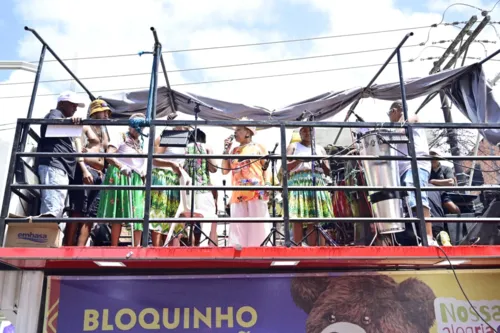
<point>57,170</point>
<point>251,203</point>
<point>424,167</point>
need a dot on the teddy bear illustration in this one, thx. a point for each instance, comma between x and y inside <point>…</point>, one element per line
<point>364,304</point>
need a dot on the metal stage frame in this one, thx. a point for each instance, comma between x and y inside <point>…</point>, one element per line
<point>184,258</point>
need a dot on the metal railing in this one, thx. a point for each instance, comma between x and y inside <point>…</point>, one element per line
<point>16,155</point>
<point>23,128</point>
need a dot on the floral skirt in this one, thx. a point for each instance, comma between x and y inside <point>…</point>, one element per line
<point>301,203</point>
<point>122,203</point>
<point>164,203</point>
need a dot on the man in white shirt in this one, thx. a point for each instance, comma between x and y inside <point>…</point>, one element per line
<point>424,167</point>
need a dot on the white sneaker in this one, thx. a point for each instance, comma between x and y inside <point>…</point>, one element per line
<point>432,241</point>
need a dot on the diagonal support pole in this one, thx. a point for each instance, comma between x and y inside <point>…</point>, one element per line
<point>372,81</point>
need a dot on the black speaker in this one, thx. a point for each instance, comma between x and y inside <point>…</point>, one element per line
<point>485,233</point>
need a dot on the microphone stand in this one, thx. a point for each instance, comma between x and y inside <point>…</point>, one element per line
<point>271,237</point>
<point>317,227</point>
<point>225,205</point>
<point>193,172</point>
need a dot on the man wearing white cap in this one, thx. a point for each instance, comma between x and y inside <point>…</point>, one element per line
<point>57,170</point>
<point>424,167</point>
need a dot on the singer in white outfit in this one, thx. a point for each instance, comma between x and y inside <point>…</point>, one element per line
<point>252,203</point>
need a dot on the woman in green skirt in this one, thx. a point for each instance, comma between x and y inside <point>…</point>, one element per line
<point>124,171</point>
<point>301,203</point>
<point>165,203</point>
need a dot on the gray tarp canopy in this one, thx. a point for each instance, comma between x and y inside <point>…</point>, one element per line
<point>466,86</point>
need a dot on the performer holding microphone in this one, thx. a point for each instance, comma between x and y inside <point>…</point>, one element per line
<point>251,203</point>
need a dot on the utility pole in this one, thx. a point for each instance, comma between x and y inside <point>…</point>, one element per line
<point>445,102</point>
<point>495,79</point>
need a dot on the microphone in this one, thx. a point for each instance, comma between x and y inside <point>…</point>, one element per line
<point>266,164</point>
<point>223,182</point>
<point>226,146</point>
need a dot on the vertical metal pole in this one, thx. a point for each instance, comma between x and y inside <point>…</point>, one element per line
<point>152,136</point>
<point>8,182</point>
<point>411,151</point>
<point>473,166</point>
<point>33,97</point>
<point>19,170</point>
<point>452,138</point>
<point>284,180</point>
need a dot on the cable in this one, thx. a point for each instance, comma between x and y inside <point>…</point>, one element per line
<point>462,289</point>
<point>215,67</point>
<point>224,80</point>
<point>496,3</point>
<point>249,44</point>
<point>458,4</point>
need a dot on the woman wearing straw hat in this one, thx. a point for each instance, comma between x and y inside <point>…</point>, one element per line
<point>301,203</point>
<point>124,171</point>
<point>84,203</point>
<point>251,203</point>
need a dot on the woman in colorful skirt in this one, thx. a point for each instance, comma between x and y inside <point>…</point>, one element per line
<point>165,203</point>
<point>301,203</point>
<point>124,171</point>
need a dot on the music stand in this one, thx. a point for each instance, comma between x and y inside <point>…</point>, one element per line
<point>193,225</point>
<point>174,138</point>
<point>272,234</point>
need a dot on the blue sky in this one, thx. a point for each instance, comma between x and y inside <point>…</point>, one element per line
<point>11,30</point>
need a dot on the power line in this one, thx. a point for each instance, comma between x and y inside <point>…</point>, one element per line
<point>227,80</point>
<point>215,67</point>
<point>249,44</point>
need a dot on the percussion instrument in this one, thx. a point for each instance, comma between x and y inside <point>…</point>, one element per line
<point>383,173</point>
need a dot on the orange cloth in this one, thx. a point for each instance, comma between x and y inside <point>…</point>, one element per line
<point>248,173</point>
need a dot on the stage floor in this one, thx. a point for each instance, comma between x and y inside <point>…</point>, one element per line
<point>89,260</point>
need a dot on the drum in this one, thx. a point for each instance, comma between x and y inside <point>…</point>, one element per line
<point>383,173</point>
<point>358,203</point>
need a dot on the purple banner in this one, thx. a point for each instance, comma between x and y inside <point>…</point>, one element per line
<point>145,304</point>
<point>391,302</point>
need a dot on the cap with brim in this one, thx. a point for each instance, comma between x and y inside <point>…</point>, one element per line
<point>435,152</point>
<point>97,106</point>
<point>71,97</point>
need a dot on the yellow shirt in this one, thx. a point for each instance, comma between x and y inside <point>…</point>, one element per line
<point>248,173</point>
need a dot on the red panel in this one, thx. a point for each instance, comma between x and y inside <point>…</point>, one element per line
<point>247,258</point>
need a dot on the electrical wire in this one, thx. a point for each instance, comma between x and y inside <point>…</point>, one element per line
<point>496,3</point>
<point>250,44</point>
<point>462,289</point>
<point>223,80</point>
<point>458,4</point>
<point>215,67</point>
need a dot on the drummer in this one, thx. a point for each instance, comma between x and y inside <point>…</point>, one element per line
<point>424,167</point>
